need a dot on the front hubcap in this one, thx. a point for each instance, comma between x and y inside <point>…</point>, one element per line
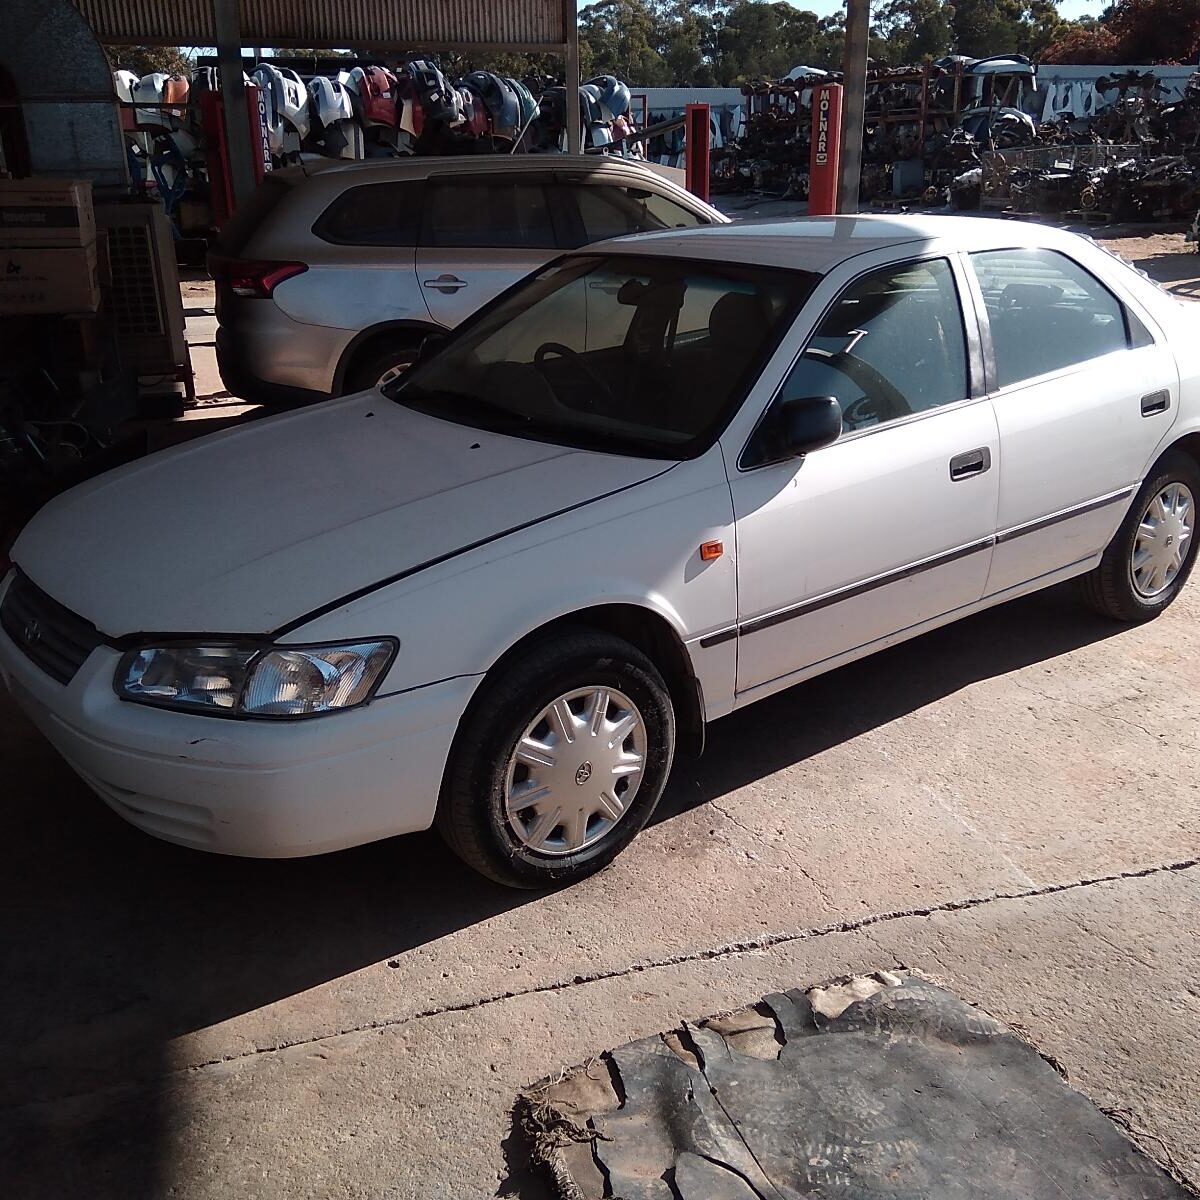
<point>575,770</point>
<point>1162,541</point>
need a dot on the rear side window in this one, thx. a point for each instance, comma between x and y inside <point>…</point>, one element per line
<point>1046,313</point>
<point>608,211</point>
<point>375,214</point>
<point>240,227</point>
<point>502,214</point>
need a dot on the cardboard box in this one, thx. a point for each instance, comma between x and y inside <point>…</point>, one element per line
<point>46,212</point>
<point>37,279</point>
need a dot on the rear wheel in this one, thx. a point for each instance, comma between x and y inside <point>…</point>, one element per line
<point>560,763</point>
<point>1148,561</point>
<point>382,364</point>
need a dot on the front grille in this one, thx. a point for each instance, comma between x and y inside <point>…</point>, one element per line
<point>49,634</point>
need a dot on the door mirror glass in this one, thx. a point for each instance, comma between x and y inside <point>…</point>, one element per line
<point>794,427</point>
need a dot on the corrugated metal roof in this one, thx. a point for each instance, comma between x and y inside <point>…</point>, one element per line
<point>374,24</point>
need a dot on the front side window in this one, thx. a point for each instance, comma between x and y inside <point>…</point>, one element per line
<point>608,211</point>
<point>892,345</point>
<point>505,215</point>
<point>1046,313</point>
<point>632,354</point>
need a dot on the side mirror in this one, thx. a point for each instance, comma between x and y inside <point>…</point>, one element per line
<point>431,343</point>
<point>794,427</point>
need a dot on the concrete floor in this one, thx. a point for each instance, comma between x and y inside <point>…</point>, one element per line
<point>1010,804</point>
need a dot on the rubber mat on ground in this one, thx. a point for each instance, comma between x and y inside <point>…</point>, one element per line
<point>878,1088</point>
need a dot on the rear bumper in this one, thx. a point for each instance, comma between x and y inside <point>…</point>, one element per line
<point>253,788</point>
<point>233,362</point>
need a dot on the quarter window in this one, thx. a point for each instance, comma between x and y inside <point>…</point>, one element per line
<point>374,214</point>
<point>1046,313</point>
<point>502,214</point>
<point>891,346</point>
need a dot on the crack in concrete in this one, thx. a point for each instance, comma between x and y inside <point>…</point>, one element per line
<point>787,851</point>
<point>728,950</point>
<point>1095,712</point>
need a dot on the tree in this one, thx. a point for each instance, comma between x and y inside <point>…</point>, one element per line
<point>146,60</point>
<point>1133,31</point>
<point>915,30</point>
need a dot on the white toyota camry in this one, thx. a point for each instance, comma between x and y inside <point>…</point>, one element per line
<point>658,480</point>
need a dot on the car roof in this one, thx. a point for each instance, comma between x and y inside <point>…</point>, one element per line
<point>420,166</point>
<point>819,244</point>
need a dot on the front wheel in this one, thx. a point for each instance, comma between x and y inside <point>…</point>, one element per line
<point>1151,555</point>
<point>560,762</point>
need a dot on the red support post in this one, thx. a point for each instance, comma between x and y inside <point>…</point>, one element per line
<point>825,159</point>
<point>697,148</point>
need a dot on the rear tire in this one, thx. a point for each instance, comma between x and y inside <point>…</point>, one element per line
<point>1138,576</point>
<point>560,761</point>
<point>375,367</point>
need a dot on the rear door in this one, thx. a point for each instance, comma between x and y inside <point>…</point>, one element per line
<point>1083,392</point>
<point>479,236</point>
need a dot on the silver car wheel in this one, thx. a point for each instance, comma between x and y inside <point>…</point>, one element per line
<point>1162,541</point>
<point>392,374</point>
<point>575,771</point>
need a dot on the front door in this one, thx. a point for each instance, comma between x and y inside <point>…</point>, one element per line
<point>892,524</point>
<point>480,236</point>
<point>1083,396</point>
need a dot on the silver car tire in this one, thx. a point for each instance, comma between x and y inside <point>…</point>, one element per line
<point>559,762</point>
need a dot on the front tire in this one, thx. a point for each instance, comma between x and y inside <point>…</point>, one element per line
<point>1151,555</point>
<point>559,763</point>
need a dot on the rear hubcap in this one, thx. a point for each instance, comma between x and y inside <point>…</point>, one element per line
<point>575,771</point>
<point>1162,541</point>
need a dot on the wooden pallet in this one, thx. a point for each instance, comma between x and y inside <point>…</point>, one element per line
<point>1089,216</point>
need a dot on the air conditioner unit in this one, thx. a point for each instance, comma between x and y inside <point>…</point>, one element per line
<point>141,298</point>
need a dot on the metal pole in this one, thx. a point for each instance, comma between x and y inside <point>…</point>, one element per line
<point>854,101</point>
<point>237,118</point>
<point>572,116</point>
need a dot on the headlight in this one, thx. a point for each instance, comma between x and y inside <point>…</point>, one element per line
<point>255,681</point>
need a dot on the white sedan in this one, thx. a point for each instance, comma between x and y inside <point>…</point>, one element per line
<point>659,480</point>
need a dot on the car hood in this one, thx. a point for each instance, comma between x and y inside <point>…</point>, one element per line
<point>249,530</point>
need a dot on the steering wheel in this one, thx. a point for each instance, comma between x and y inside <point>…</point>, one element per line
<point>883,400</point>
<point>584,367</point>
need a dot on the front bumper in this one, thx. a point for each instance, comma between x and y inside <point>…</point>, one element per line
<point>256,788</point>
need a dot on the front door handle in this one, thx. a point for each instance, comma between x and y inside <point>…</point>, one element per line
<point>1156,402</point>
<point>970,463</point>
<point>446,284</point>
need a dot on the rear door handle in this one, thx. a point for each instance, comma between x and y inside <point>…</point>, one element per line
<point>445,283</point>
<point>1156,402</point>
<point>970,463</point>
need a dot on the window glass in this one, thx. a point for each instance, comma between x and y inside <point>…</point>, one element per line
<point>893,345</point>
<point>1046,312</point>
<point>632,354</point>
<point>375,214</point>
<point>502,214</point>
<point>609,211</point>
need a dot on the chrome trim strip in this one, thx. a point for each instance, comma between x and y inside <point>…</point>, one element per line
<point>1066,514</point>
<point>867,585</point>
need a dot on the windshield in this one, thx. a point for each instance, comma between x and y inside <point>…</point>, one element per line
<point>644,356</point>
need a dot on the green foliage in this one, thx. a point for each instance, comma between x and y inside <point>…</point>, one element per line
<point>146,60</point>
<point>1134,31</point>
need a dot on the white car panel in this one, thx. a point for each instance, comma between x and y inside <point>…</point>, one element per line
<point>290,513</point>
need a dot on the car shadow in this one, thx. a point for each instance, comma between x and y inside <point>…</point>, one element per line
<point>115,943</point>
<point>809,718</point>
